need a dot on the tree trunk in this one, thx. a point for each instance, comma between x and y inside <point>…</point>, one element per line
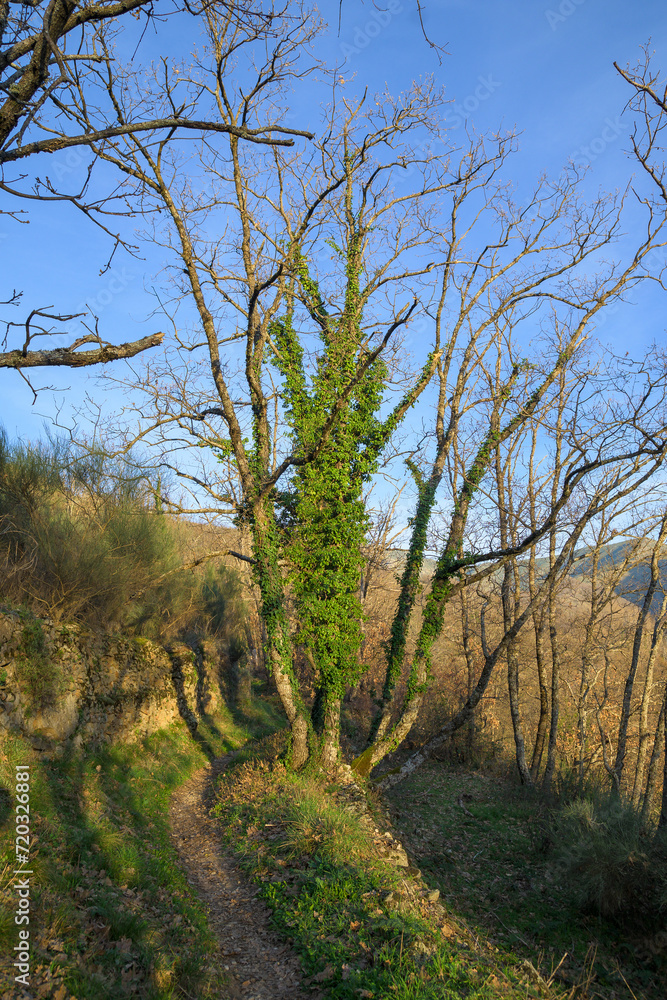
<point>510,594</point>
<point>406,602</point>
<point>555,692</point>
<point>365,762</point>
<point>513,673</point>
<point>587,657</point>
<point>636,648</point>
<point>331,733</point>
<point>662,822</point>
<point>299,751</point>
<point>644,733</point>
<point>274,615</point>
<point>470,666</point>
<point>539,627</point>
<point>653,779</point>
<point>551,596</point>
<point>582,700</point>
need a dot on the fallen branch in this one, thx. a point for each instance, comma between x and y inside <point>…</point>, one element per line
<point>459,802</point>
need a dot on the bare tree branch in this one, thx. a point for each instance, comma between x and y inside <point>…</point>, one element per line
<point>71,357</point>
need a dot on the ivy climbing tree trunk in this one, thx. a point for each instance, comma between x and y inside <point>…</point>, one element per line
<point>336,287</point>
<point>269,580</point>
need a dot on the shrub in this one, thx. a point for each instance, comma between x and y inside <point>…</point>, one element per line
<point>83,537</point>
<point>80,538</point>
<point>613,864</point>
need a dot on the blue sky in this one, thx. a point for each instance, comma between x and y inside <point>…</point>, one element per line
<point>544,67</point>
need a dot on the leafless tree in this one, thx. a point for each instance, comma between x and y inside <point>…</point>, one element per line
<point>603,492</point>
<point>370,229</point>
<point>59,74</point>
<point>509,407</point>
<point>286,212</point>
<point>648,102</point>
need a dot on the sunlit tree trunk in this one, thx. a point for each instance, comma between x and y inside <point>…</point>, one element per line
<point>539,619</point>
<point>662,822</point>
<point>654,776</point>
<point>626,707</point>
<point>645,734</point>
<point>551,601</point>
<point>540,630</point>
<point>510,595</point>
<point>468,651</point>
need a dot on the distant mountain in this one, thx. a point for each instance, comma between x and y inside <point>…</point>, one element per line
<point>395,560</point>
<point>635,581</point>
<point>632,585</point>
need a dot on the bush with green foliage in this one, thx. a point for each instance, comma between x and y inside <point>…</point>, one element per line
<point>615,865</point>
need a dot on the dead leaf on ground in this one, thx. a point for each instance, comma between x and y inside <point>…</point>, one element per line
<point>326,973</point>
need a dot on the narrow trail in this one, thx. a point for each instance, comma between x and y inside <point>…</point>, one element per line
<point>260,965</point>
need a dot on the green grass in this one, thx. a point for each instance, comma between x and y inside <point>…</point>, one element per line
<point>112,914</point>
<point>361,926</point>
<point>485,844</point>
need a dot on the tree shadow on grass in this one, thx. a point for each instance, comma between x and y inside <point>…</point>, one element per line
<point>203,744</point>
<point>111,875</point>
<point>5,805</point>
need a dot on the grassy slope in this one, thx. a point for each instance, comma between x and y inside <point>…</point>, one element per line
<point>112,914</point>
<point>360,929</point>
<point>484,845</point>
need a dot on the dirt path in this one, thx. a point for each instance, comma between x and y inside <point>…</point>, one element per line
<point>261,966</point>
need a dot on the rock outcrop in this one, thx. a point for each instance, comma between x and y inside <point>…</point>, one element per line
<point>62,683</point>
